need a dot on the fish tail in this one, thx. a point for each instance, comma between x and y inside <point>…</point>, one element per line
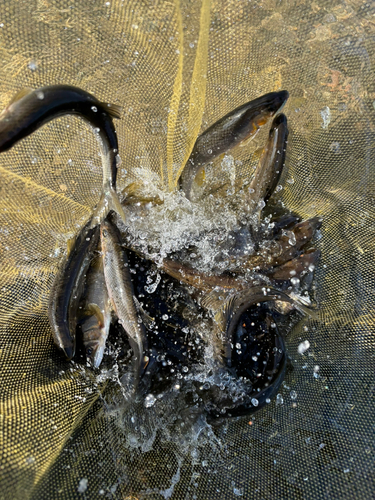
<point>114,110</point>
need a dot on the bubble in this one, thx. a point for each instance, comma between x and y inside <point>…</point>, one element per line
<point>326,116</point>
<point>254,402</point>
<point>32,66</point>
<point>293,395</point>
<point>40,95</point>
<point>82,486</point>
<point>303,346</point>
<point>238,345</point>
<point>279,399</point>
<point>94,108</point>
<point>165,317</point>
<point>150,400</point>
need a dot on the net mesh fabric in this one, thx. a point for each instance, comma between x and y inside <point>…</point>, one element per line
<point>176,68</point>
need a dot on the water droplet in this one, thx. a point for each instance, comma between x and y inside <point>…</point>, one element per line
<point>40,95</point>
<point>32,66</point>
<point>303,346</point>
<point>82,486</point>
<point>326,116</point>
<point>279,399</point>
<point>335,147</point>
<point>150,400</point>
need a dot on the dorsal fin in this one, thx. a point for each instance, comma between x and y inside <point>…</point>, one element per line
<point>113,110</point>
<point>20,94</point>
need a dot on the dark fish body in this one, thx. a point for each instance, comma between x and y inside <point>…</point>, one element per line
<point>68,288</point>
<point>229,311</point>
<point>121,293</point>
<point>201,281</point>
<point>282,249</point>
<point>234,128</point>
<point>31,110</point>
<point>298,266</point>
<point>95,315</point>
<point>260,363</point>
<point>269,169</point>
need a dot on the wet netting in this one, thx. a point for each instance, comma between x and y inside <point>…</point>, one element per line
<point>175,68</point>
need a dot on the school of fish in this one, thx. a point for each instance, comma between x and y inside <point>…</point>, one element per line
<point>218,335</point>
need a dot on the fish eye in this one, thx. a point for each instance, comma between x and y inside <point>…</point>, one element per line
<point>89,351</point>
<point>105,233</point>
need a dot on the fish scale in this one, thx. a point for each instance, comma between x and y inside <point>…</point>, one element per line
<point>121,293</point>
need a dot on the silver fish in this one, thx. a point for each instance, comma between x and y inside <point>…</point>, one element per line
<point>234,128</point>
<point>68,288</point>
<point>269,169</point>
<point>227,309</point>
<point>31,109</point>
<point>121,293</point>
<point>95,313</point>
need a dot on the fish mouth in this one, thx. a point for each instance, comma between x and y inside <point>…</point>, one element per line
<point>94,354</point>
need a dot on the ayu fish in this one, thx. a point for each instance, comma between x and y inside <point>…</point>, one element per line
<point>68,287</point>
<point>270,166</point>
<point>31,109</point>
<point>235,127</point>
<point>121,293</point>
<point>227,309</point>
<point>268,259</point>
<point>95,315</point>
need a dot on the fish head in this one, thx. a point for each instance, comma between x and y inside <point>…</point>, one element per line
<point>94,336</point>
<point>94,352</point>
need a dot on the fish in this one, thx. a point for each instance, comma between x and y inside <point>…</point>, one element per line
<point>275,253</point>
<point>281,249</point>
<point>121,293</point>
<point>31,109</point>
<point>227,309</point>
<point>270,166</point>
<point>68,287</point>
<point>202,281</point>
<point>234,128</point>
<point>296,267</point>
<point>259,367</point>
<point>95,314</point>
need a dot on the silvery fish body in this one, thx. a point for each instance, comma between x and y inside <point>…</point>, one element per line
<point>31,109</point>
<point>68,288</point>
<point>235,127</point>
<point>121,293</point>
<point>269,169</point>
<point>95,313</point>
